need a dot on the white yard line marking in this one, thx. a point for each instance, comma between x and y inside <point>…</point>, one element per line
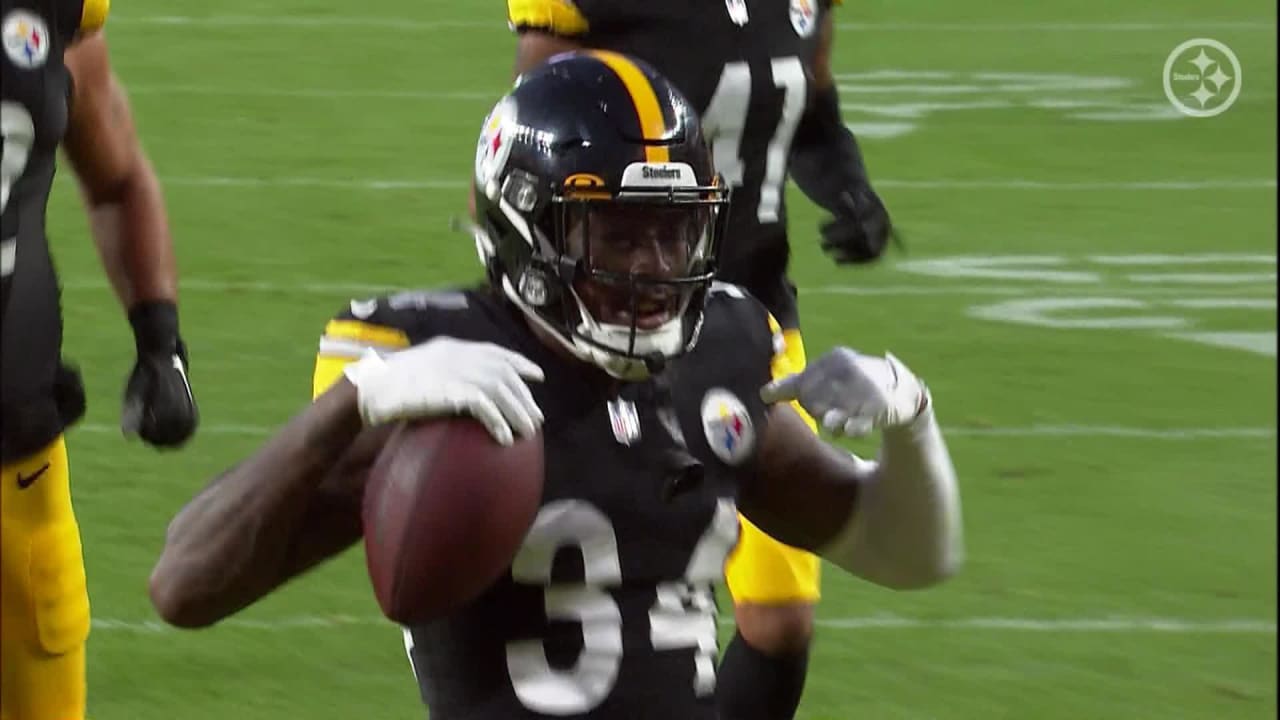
<point>1115,431</point>
<point>280,22</point>
<point>1137,26</point>
<point>1253,294</point>
<point>315,182</point>
<point>1187,259</point>
<point>1262,343</point>
<point>319,93</point>
<point>375,184</point>
<point>1174,626</point>
<point>1065,430</point>
<point>1027,184</point>
<point>498,24</point>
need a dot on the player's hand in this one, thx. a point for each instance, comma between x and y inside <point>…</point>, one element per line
<point>158,404</point>
<point>444,377</point>
<point>860,229</point>
<point>852,394</point>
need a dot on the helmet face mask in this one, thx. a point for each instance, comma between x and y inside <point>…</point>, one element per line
<point>606,246</point>
<point>643,263</point>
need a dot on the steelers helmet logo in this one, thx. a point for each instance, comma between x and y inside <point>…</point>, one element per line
<point>494,146</point>
<point>727,426</point>
<point>804,17</point>
<point>26,39</point>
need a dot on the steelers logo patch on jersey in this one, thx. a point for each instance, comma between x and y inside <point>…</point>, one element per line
<point>804,17</point>
<point>727,425</point>
<point>494,146</point>
<point>26,39</point>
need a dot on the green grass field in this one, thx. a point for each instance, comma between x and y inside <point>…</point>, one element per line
<point>1089,288</point>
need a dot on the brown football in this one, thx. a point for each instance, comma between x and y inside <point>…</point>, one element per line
<point>445,510</point>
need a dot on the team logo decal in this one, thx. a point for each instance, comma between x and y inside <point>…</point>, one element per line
<point>804,17</point>
<point>625,421</point>
<point>727,425</point>
<point>26,39</point>
<point>494,146</point>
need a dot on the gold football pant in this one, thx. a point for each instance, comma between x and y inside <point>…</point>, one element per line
<point>762,570</point>
<point>44,602</point>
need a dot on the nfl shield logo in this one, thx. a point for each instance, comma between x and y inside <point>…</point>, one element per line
<point>625,421</point>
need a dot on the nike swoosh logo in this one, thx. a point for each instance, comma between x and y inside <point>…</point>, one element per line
<point>177,365</point>
<point>28,481</point>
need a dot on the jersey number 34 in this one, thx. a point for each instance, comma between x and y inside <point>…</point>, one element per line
<point>682,616</point>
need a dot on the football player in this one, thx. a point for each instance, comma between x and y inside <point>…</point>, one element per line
<point>59,90</point>
<point>759,73</point>
<point>662,398</point>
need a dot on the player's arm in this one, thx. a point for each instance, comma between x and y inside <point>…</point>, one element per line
<point>118,184</point>
<point>232,545</point>
<point>826,164</point>
<point>297,501</point>
<point>279,512</point>
<point>131,230</point>
<point>896,521</point>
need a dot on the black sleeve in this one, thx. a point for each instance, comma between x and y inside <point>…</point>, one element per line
<point>825,161</point>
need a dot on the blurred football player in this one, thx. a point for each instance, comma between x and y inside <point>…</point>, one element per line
<point>654,387</point>
<point>59,90</point>
<point>759,73</point>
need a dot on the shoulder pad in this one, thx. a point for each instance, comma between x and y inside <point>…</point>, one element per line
<point>559,17</point>
<point>737,292</point>
<point>93,15</point>
<point>744,312</point>
<point>386,324</point>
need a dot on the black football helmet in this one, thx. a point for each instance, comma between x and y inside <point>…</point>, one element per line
<point>598,210</point>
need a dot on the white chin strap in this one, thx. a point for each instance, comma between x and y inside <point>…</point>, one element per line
<point>666,340</point>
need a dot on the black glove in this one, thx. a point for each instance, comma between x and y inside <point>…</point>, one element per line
<point>860,231</point>
<point>158,404</point>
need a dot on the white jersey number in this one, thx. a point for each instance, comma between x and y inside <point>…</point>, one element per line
<point>726,118</point>
<point>18,133</point>
<point>683,615</point>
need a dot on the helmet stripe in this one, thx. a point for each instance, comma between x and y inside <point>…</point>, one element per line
<point>645,100</point>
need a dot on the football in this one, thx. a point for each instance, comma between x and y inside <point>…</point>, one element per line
<point>445,510</point>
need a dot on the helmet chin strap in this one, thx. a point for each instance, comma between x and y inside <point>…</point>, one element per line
<point>616,365</point>
<point>655,363</point>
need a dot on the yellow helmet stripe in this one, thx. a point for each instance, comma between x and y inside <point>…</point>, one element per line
<point>645,100</point>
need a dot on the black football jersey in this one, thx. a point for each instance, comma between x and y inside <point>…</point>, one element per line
<point>34,106</point>
<point>747,66</point>
<point>608,609</point>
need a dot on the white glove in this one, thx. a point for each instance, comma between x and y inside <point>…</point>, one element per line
<point>444,377</point>
<point>853,394</point>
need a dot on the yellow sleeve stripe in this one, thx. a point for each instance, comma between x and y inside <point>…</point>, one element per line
<point>645,100</point>
<point>789,359</point>
<point>94,15</point>
<point>781,365</point>
<point>558,16</point>
<point>328,371</point>
<point>363,333</point>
